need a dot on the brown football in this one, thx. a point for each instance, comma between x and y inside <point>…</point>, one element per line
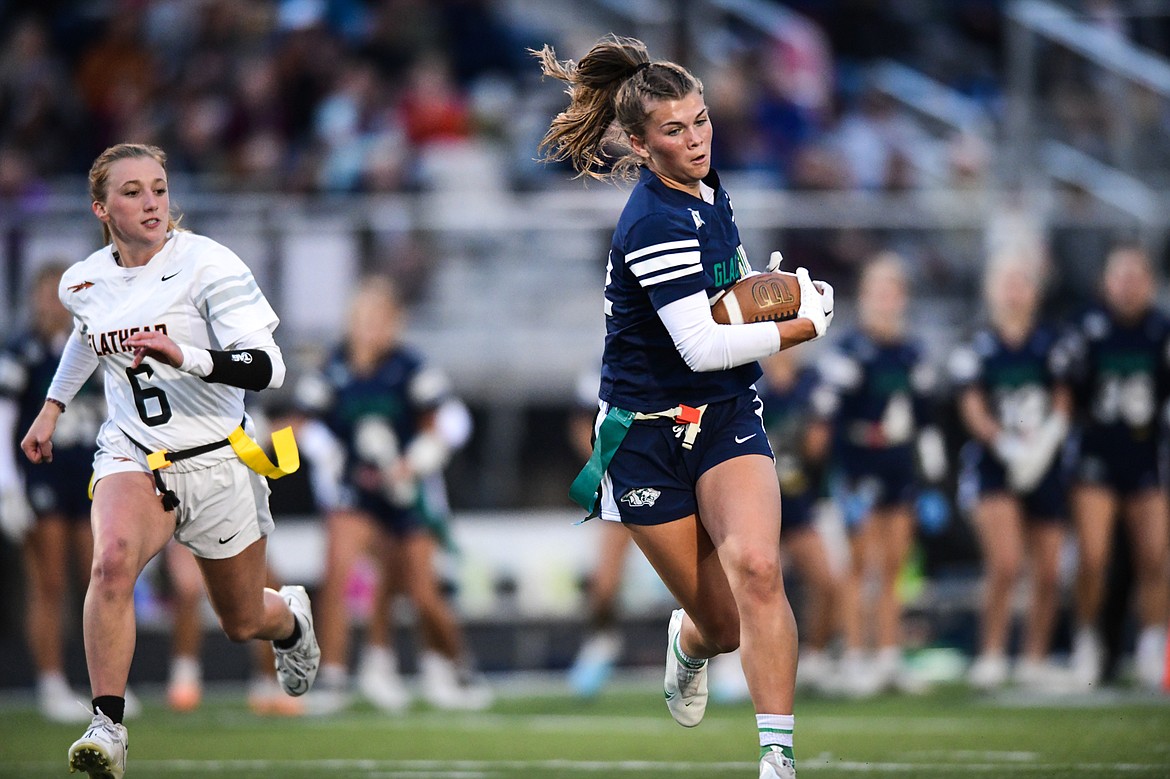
<point>765,297</point>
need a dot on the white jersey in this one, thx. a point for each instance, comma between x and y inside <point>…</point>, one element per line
<point>200,294</point>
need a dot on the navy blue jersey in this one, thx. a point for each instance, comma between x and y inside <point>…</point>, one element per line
<point>395,394</point>
<point>1019,381</point>
<point>667,245</point>
<point>788,412</point>
<point>881,391</point>
<point>1121,374</point>
<point>27,365</point>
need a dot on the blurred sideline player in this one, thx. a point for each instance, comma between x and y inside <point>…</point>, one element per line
<point>602,646</point>
<point>384,405</point>
<point>882,384</point>
<point>1016,405</point>
<point>46,509</point>
<point>1122,381</point>
<point>794,418</point>
<point>444,684</point>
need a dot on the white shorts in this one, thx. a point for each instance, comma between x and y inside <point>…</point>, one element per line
<point>223,507</point>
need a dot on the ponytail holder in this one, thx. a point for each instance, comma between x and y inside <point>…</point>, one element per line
<point>640,67</point>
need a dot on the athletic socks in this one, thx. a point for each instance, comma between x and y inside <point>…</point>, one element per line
<point>291,641</point>
<point>686,660</point>
<point>113,706</point>
<point>776,731</point>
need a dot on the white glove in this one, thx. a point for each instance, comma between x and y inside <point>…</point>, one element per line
<point>816,302</point>
<point>16,516</point>
<point>1039,450</point>
<point>376,442</point>
<point>774,262</point>
<point>932,454</point>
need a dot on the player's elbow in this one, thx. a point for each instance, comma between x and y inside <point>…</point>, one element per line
<point>278,369</point>
<point>703,350</point>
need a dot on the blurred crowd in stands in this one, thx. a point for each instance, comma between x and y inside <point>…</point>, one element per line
<point>353,95</point>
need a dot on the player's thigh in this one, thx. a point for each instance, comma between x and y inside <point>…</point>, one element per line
<point>1148,522</point>
<point>809,556</point>
<point>47,554</point>
<point>999,522</point>
<point>1045,542</point>
<point>1094,510</point>
<point>893,537</point>
<point>739,505</point>
<point>184,572</point>
<point>129,523</point>
<point>235,585</point>
<point>416,551</point>
<point>682,554</point>
<point>349,534</point>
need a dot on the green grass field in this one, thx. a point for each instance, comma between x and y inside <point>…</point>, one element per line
<point>627,733</point>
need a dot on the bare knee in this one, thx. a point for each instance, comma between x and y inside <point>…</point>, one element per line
<point>240,629</point>
<point>113,573</point>
<point>755,573</point>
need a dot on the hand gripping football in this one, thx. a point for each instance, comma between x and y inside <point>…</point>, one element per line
<point>764,297</point>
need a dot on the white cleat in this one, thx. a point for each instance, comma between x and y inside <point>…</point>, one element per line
<point>296,667</point>
<point>1042,676</point>
<point>685,688</point>
<point>1087,661</point>
<point>774,765</point>
<point>1149,658</point>
<point>814,671</point>
<point>448,686</point>
<point>989,672</point>
<point>856,677</point>
<point>101,752</point>
<point>58,703</point>
<point>379,682</point>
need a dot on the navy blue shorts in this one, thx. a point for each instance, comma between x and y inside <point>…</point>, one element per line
<point>651,478</point>
<point>398,521</point>
<point>875,479</point>
<point>796,511</point>
<point>62,486</point>
<point>1121,465</point>
<point>983,475</point>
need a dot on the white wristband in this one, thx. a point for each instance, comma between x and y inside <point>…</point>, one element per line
<point>196,361</point>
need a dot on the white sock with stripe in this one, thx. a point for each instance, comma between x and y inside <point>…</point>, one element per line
<point>776,731</point>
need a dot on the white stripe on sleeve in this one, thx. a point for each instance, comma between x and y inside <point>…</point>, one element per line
<point>658,248</point>
<point>664,261</point>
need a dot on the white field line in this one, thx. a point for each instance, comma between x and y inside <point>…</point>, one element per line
<point>475,769</point>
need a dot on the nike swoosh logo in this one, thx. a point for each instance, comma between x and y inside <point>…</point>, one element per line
<point>166,278</point>
<point>739,440</point>
<point>229,538</point>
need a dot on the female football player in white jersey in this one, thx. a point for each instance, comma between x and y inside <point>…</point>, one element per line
<point>180,330</point>
<point>681,456</point>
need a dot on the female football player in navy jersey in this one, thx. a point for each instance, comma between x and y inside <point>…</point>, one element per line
<point>383,404</point>
<point>1015,403</point>
<point>1122,382</point>
<point>180,329</point>
<point>681,455</point>
<point>52,500</point>
<point>884,443</point>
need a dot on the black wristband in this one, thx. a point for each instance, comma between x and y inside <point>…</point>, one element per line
<point>249,369</point>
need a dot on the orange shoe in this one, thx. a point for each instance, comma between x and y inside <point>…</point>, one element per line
<point>184,696</point>
<point>267,699</point>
